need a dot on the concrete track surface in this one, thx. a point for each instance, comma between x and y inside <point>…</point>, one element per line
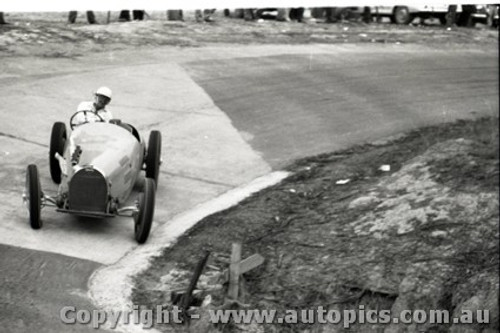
<point>227,115</point>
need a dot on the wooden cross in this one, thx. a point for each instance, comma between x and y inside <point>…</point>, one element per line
<point>238,267</point>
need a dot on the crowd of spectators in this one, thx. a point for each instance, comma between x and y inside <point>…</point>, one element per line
<point>327,14</point>
<point>207,15</point>
<point>251,14</point>
<point>331,14</point>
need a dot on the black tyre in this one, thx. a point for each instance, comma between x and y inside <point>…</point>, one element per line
<point>401,15</point>
<point>57,143</point>
<point>153,156</point>
<point>33,196</point>
<point>144,219</point>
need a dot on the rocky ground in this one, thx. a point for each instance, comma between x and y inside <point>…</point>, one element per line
<point>342,232</point>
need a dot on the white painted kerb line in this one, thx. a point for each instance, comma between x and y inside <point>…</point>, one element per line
<point>110,288</point>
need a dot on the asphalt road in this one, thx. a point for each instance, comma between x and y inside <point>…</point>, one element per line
<point>292,106</point>
<point>37,285</point>
<point>227,114</point>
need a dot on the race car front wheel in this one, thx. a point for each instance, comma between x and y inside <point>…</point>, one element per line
<point>144,218</point>
<point>153,156</point>
<point>33,196</point>
<point>57,144</point>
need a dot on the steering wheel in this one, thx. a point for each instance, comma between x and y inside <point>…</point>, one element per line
<point>87,117</point>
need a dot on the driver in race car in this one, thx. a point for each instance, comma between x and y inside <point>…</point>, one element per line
<point>86,112</point>
<point>95,110</point>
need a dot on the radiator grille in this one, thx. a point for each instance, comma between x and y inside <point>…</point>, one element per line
<point>88,191</point>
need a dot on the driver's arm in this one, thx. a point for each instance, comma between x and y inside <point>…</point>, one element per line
<point>80,118</point>
<point>105,115</point>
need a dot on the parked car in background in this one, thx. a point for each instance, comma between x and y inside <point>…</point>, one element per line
<point>472,14</point>
<point>403,14</point>
<point>466,15</point>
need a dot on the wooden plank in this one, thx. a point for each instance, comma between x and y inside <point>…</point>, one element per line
<point>186,299</point>
<point>246,265</point>
<point>251,262</point>
<point>234,271</point>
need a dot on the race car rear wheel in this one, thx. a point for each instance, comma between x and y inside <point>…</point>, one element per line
<point>33,196</point>
<point>57,144</point>
<point>144,218</point>
<point>153,156</point>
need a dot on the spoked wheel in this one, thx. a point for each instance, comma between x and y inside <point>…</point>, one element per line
<point>153,156</point>
<point>144,218</point>
<point>401,15</point>
<point>33,196</point>
<point>57,144</point>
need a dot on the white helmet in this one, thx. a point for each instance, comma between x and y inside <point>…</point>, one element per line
<point>105,91</point>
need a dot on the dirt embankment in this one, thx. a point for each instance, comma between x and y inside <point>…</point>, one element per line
<point>423,235</point>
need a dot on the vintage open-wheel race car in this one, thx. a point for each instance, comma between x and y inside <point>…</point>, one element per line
<point>96,167</point>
